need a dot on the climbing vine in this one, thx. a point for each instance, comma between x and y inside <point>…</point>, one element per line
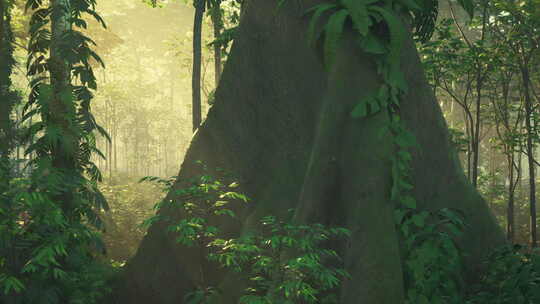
<point>44,217</point>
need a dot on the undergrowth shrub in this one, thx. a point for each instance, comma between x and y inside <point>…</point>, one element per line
<point>433,261</point>
<point>46,257</point>
<point>283,262</point>
<point>130,203</point>
<point>513,277</point>
<point>287,263</point>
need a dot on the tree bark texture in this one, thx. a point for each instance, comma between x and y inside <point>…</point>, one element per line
<point>283,125</point>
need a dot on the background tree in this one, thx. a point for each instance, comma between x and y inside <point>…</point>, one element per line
<point>8,96</point>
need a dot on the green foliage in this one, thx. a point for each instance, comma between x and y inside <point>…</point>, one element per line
<point>458,139</point>
<point>9,97</point>
<point>130,203</point>
<point>433,261</point>
<point>45,257</point>
<point>513,277</point>
<point>277,276</point>
<point>47,246</point>
<point>284,263</point>
<point>427,245</point>
<point>206,197</point>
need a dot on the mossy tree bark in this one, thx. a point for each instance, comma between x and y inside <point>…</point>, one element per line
<point>282,124</point>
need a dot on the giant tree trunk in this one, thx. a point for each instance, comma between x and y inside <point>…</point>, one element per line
<point>282,124</point>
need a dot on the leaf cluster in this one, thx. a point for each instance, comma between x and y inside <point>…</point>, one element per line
<point>284,263</point>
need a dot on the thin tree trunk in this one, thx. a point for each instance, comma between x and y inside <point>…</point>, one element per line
<point>196,76</point>
<point>218,25</point>
<point>510,209</point>
<point>530,155</point>
<point>476,139</point>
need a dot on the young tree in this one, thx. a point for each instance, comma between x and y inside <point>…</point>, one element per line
<point>200,6</point>
<point>217,22</point>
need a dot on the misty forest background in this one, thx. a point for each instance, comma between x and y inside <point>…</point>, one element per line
<point>144,100</point>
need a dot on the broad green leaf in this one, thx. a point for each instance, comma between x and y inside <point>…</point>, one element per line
<point>333,31</point>
<point>319,9</point>
<point>374,106</point>
<point>12,283</point>
<point>372,44</point>
<point>359,15</point>
<point>397,34</point>
<point>418,220</point>
<point>409,201</point>
<point>396,78</point>
<point>360,110</point>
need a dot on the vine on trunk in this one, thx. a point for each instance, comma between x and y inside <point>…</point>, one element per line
<point>380,33</point>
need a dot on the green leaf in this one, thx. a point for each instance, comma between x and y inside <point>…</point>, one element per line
<point>405,139</point>
<point>319,9</point>
<point>409,201</point>
<point>374,106</point>
<point>397,79</point>
<point>372,44</point>
<point>333,31</point>
<point>360,110</point>
<point>359,15</point>
<point>58,273</point>
<point>418,220</point>
<point>224,212</point>
<point>397,35</point>
<point>12,283</point>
